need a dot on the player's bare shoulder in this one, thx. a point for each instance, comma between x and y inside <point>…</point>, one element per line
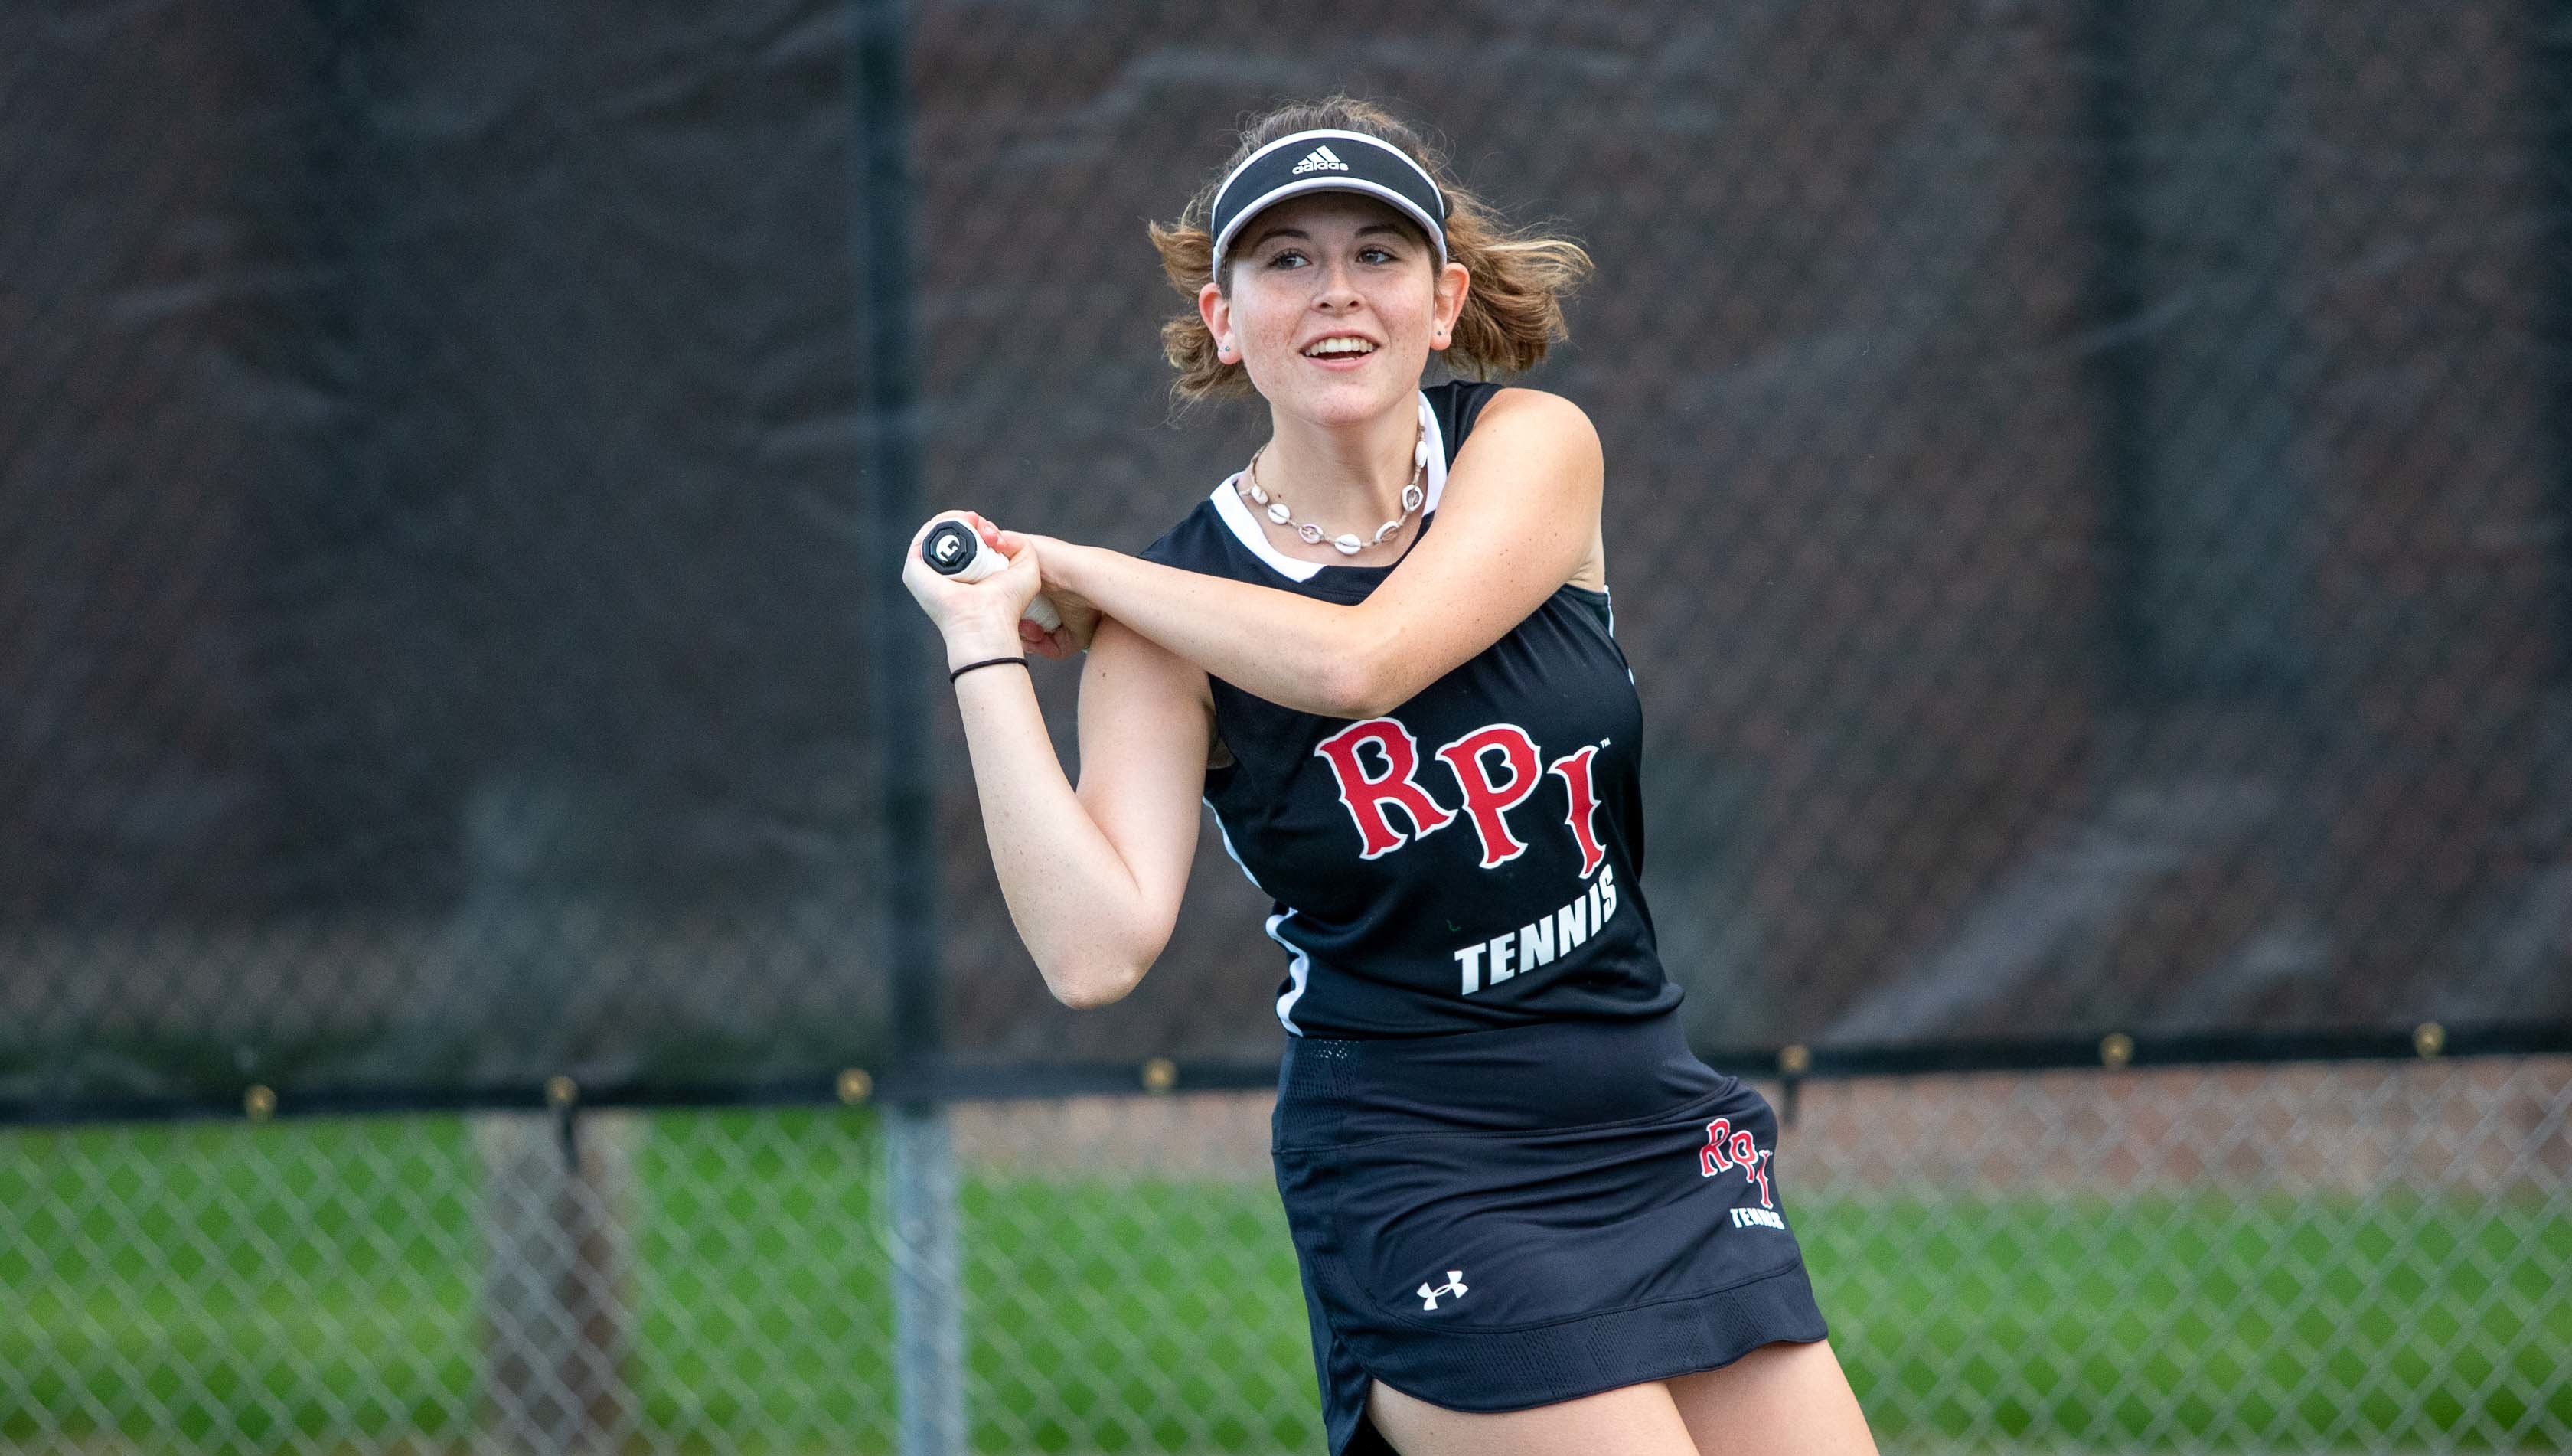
<point>1549,443</point>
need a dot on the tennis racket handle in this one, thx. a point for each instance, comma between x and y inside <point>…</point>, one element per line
<point>952,549</point>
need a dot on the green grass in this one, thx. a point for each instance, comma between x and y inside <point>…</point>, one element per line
<point>230,1288</point>
<point>2204,1321</point>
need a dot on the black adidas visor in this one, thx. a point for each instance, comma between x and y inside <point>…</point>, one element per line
<point>1326,161</point>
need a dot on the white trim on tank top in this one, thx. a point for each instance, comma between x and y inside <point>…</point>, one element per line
<point>1248,529</point>
<point>1299,968</point>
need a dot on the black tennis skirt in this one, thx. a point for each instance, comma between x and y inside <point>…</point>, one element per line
<point>1494,1220</point>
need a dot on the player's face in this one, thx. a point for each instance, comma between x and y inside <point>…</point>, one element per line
<point>1336,301</point>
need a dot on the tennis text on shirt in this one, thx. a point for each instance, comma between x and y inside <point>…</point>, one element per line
<point>1376,764</point>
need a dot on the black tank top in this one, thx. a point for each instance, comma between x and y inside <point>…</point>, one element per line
<point>1467,861</point>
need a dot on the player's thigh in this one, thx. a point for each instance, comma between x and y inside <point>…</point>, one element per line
<point>1781,1400</point>
<point>1637,1420</point>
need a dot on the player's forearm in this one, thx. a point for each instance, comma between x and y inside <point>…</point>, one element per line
<point>1312,656</point>
<point>1070,893</point>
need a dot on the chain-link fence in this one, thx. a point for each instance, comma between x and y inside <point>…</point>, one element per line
<point>2371,1257</point>
<point>2086,512</point>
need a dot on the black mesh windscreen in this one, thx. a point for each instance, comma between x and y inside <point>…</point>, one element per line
<point>2086,509</point>
<point>430,515</point>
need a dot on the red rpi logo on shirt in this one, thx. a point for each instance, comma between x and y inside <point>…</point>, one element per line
<point>1728,1149</point>
<point>1495,768</point>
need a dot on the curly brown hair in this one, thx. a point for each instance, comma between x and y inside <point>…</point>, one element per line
<point>1512,307</point>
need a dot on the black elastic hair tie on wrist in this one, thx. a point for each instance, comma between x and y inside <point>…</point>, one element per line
<point>985,662</point>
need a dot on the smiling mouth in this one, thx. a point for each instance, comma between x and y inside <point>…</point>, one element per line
<point>1344,347</point>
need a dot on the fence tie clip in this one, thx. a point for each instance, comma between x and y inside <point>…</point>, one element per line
<point>563,1096</point>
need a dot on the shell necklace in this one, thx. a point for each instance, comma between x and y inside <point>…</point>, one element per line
<point>1347,543</point>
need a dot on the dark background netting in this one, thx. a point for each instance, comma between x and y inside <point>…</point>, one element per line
<point>2086,509</point>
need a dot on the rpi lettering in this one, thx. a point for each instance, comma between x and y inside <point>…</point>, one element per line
<point>1728,1148</point>
<point>1494,769</point>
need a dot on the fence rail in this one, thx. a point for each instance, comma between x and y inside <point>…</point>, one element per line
<point>936,1078</point>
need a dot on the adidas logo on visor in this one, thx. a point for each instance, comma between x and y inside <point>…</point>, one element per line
<point>1320,159</point>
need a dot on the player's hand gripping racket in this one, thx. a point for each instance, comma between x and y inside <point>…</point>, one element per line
<point>952,549</point>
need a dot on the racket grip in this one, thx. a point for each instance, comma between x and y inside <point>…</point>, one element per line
<point>952,549</point>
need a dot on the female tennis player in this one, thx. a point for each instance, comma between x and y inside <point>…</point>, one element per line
<point>1529,1220</point>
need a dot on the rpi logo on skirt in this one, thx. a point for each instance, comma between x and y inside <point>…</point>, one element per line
<point>1727,1150</point>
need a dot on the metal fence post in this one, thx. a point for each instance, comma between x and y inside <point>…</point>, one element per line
<point>919,1165</point>
<point>2550,70</point>
<point>929,1326</point>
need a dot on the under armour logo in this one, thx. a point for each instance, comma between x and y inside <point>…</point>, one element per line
<point>1455,1286</point>
<point>1320,159</point>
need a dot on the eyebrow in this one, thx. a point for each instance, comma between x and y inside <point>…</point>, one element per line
<point>1372,228</point>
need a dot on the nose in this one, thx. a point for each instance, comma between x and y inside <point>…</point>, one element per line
<point>1336,292</point>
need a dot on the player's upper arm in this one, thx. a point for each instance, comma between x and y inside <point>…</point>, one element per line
<point>1147,723</point>
<point>1514,523</point>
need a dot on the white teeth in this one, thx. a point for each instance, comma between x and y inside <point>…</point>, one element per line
<point>1338,345</point>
